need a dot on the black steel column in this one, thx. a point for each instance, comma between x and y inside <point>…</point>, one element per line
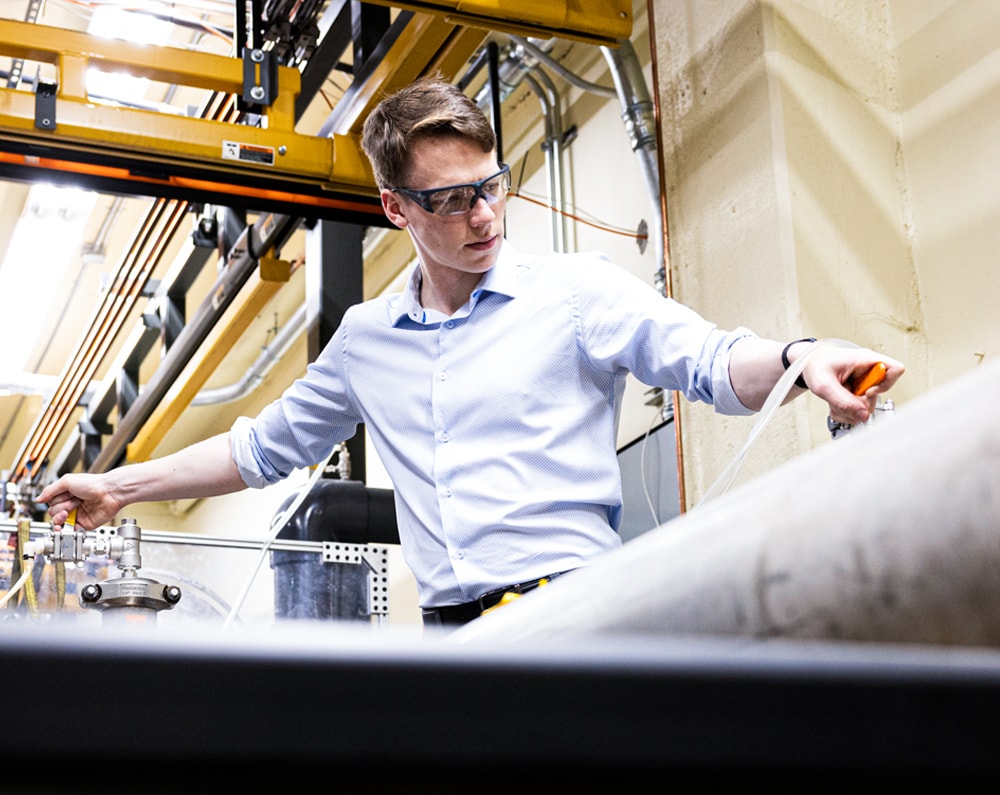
<point>334,282</point>
<point>305,587</point>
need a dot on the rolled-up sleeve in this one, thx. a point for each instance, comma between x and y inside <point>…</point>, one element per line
<point>254,468</point>
<point>724,397</point>
<point>302,427</point>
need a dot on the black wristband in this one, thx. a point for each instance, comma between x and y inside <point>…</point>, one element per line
<point>800,381</point>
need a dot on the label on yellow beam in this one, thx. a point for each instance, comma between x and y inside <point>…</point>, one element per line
<point>248,153</point>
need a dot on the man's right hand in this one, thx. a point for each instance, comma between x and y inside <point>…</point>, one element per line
<point>87,493</point>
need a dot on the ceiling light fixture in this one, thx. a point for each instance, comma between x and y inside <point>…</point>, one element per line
<point>45,243</point>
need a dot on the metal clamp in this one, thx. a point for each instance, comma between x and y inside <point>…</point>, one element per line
<point>260,77</point>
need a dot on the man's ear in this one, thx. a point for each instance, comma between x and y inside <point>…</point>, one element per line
<point>393,208</point>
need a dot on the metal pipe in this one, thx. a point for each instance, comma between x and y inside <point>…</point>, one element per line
<point>42,529</point>
<point>252,378</point>
<point>242,260</point>
<point>541,84</point>
<point>640,124</point>
<point>510,73</point>
<point>570,77</point>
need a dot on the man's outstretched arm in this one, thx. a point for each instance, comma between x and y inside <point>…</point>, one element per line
<point>204,469</point>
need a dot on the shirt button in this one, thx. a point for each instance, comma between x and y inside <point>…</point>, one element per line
<point>459,554</point>
<point>450,324</point>
<point>444,436</point>
<point>442,376</point>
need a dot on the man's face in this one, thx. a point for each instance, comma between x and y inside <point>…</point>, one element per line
<point>469,242</point>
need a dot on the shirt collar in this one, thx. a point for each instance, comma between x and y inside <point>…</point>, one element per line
<point>501,279</point>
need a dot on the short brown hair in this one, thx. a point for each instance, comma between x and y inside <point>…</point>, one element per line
<point>428,107</point>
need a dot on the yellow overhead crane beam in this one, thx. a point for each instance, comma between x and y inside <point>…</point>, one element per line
<point>175,155</point>
<point>428,44</point>
<point>604,22</point>
<point>166,142</point>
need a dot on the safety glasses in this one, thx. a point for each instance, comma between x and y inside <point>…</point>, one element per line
<point>460,199</point>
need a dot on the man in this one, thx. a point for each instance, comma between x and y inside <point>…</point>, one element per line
<point>490,387</point>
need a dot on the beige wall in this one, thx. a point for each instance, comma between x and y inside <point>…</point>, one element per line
<point>831,170</point>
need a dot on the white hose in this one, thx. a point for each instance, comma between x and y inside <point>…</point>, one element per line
<point>771,405</point>
<point>20,582</point>
<point>277,526</point>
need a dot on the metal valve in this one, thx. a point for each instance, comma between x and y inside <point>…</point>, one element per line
<point>129,597</point>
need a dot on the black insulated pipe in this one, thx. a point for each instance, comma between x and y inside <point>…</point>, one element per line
<point>345,511</point>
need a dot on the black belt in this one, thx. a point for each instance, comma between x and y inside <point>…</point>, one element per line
<point>463,613</point>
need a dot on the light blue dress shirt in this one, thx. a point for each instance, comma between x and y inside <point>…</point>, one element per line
<point>497,425</point>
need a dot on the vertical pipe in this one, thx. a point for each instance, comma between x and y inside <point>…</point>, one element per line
<point>493,55</point>
<point>547,95</point>
<point>640,124</point>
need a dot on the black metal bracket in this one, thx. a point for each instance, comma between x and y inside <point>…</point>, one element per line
<point>45,105</point>
<point>260,78</point>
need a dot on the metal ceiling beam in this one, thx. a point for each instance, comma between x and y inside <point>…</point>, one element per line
<point>154,153</point>
<point>415,45</point>
<point>604,22</point>
<point>262,284</point>
<point>265,235</point>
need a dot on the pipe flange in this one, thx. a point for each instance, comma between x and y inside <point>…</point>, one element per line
<point>131,592</point>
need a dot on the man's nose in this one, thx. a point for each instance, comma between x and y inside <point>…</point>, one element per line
<point>482,212</point>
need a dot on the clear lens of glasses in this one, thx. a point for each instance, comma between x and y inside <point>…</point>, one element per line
<point>459,200</point>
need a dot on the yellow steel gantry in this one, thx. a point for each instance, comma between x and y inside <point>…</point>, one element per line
<point>77,134</point>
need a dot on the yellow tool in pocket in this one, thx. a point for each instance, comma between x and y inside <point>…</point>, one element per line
<point>509,597</point>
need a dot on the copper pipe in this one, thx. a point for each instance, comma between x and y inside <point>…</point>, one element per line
<point>131,277</point>
<point>119,300</point>
<point>668,287</point>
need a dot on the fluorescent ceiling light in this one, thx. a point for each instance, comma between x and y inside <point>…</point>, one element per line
<point>116,22</point>
<point>45,242</point>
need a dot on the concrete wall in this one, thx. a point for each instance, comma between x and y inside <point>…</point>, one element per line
<point>830,171</point>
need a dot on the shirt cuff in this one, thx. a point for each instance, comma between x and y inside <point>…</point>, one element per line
<point>242,450</point>
<point>724,398</point>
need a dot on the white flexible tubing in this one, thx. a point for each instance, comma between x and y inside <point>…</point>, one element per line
<point>771,405</point>
<point>28,563</point>
<point>276,528</point>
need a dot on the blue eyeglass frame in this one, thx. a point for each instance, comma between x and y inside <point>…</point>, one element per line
<point>423,197</point>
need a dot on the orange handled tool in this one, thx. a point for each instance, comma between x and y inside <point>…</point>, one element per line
<point>858,386</point>
<point>874,377</point>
